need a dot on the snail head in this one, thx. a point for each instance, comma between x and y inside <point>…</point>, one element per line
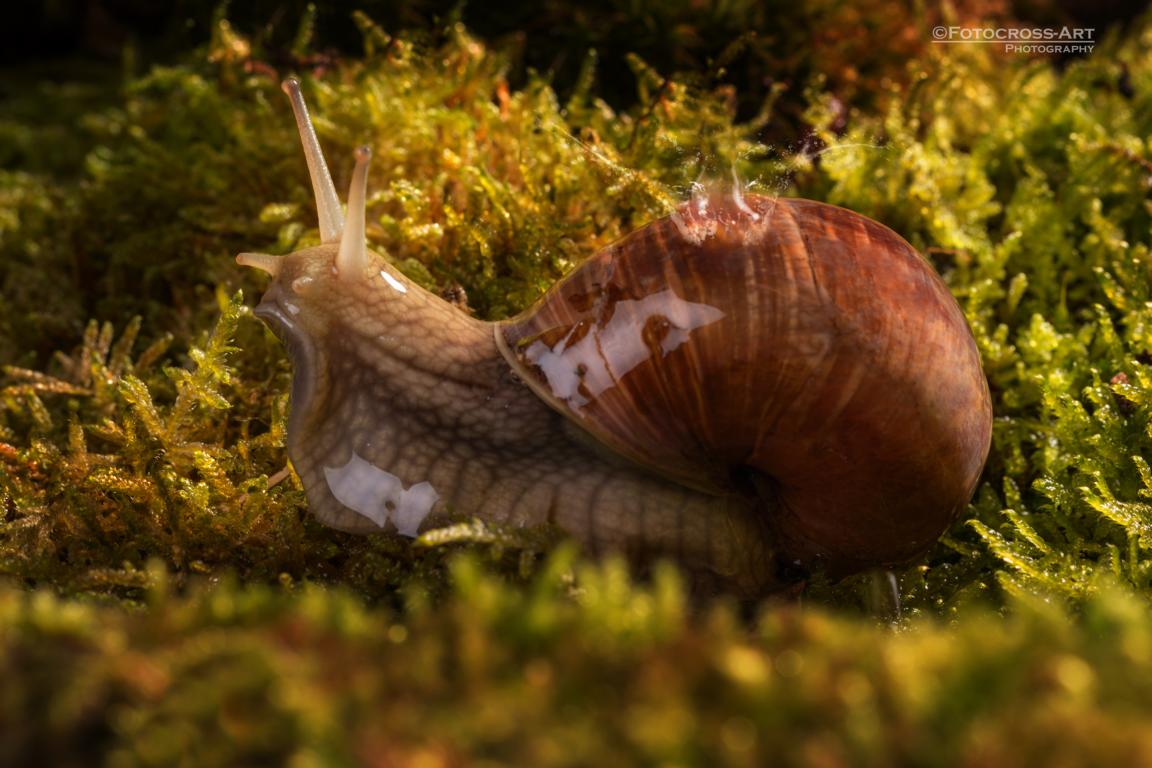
<point>313,287</point>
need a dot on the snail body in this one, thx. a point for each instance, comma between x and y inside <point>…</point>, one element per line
<point>748,385</point>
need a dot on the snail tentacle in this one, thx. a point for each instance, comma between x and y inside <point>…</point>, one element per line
<point>352,258</point>
<point>265,262</point>
<point>327,201</point>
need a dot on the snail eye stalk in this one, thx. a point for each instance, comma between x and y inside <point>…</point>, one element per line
<point>327,202</point>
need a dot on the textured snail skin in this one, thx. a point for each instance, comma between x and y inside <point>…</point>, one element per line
<point>746,384</point>
<point>404,412</point>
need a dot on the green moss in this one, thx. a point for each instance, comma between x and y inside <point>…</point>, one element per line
<point>609,673</point>
<point>167,592</point>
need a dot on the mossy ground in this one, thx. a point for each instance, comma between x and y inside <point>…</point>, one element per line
<point>166,598</point>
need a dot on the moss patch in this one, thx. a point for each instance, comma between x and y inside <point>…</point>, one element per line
<point>604,673</point>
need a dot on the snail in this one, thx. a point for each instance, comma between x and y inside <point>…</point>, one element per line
<point>756,387</point>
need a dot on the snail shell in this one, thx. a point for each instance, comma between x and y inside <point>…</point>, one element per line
<point>787,348</point>
<point>748,385</point>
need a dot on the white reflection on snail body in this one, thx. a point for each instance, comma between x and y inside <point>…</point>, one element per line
<point>381,496</point>
<point>578,372</point>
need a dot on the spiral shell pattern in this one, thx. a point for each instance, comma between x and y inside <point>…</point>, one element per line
<point>787,349</point>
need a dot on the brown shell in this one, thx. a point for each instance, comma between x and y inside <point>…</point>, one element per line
<point>782,347</point>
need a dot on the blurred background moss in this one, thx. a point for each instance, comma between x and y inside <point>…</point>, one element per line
<point>165,598</point>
